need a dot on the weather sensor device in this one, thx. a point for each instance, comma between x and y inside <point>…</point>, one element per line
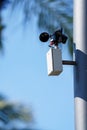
<point>54,61</point>
<point>54,55</point>
<point>55,38</point>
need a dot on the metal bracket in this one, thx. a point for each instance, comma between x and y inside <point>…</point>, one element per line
<point>66,62</point>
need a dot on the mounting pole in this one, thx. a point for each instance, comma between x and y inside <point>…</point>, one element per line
<point>80,70</point>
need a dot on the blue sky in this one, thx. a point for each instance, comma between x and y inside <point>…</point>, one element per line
<point>24,79</point>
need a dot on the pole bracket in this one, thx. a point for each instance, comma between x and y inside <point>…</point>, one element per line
<point>66,62</point>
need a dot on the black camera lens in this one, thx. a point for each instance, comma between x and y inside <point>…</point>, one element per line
<point>44,37</point>
<point>64,39</point>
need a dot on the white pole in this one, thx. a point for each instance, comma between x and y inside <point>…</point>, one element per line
<point>80,70</point>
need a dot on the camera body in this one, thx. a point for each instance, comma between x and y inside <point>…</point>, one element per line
<point>56,38</point>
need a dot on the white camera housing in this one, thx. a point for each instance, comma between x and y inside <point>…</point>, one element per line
<point>54,62</point>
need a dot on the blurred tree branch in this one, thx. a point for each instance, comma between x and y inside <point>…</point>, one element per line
<point>50,14</point>
<point>10,112</point>
<point>3,5</point>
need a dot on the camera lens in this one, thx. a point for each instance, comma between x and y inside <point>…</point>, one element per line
<point>44,37</point>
